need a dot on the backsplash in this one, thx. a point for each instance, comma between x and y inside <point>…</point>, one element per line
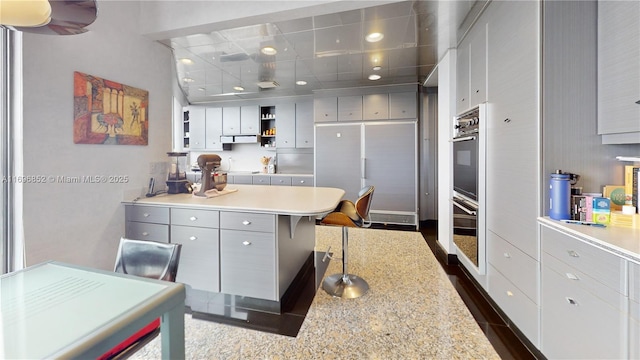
<point>246,157</point>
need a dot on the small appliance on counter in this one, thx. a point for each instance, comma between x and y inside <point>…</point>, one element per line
<point>177,182</point>
<point>211,177</point>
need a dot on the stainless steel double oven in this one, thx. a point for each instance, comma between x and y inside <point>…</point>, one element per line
<point>466,166</point>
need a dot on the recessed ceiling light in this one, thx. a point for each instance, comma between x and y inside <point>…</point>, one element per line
<point>377,67</point>
<point>301,82</point>
<point>269,50</point>
<point>374,37</point>
<point>186,61</point>
<point>188,79</point>
<point>238,88</point>
<point>374,77</point>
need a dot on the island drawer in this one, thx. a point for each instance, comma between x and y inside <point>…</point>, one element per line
<point>195,217</point>
<point>150,214</point>
<point>261,180</point>
<point>281,180</point>
<point>199,257</point>
<point>302,181</point>
<point>247,221</point>
<point>603,266</point>
<point>147,231</point>
<point>248,264</point>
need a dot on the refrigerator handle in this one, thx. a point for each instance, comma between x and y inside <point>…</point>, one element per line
<point>363,167</point>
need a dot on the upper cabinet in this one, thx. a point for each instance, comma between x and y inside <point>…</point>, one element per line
<point>213,128</point>
<point>325,109</point>
<point>304,124</point>
<point>378,106</point>
<point>196,127</point>
<point>619,72</point>
<point>471,70</point>
<point>350,108</point>
<point>240,120</point>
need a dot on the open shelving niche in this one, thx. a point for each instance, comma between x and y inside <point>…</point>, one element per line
<point>268,127</point>
<point>185,129</point>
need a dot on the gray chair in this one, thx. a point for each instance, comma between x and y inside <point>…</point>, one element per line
<point>348,214</point>
<point>149,259</point>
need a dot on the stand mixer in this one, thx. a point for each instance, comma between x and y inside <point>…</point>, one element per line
<point>211,178</point>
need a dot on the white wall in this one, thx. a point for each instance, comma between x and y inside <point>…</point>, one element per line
<point>82,223</point>
<point>446,104</point>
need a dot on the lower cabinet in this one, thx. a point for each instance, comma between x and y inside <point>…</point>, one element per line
<point>634,310</point>
<point>147,223</point>
<point>199,257</point>
<point>247,264</point>
<point>583,299</point>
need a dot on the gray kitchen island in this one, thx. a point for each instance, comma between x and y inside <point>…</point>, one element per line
<point>241,249</point>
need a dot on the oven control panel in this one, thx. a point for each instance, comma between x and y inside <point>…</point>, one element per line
<point>467,123</point>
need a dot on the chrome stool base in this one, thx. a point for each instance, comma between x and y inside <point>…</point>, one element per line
<point>345,286</point>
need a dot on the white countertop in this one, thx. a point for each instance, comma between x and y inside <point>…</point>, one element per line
<point>621,240</point>
<point>283,200</point>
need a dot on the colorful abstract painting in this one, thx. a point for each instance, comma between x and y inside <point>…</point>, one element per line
<point>107,112</point>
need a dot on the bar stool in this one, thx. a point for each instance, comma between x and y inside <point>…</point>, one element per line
<point>347,214</point>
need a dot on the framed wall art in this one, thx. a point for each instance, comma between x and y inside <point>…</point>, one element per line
<point>107,112</point>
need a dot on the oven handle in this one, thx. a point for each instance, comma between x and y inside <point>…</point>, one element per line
<point>460,205</point>
<point>466,138</point>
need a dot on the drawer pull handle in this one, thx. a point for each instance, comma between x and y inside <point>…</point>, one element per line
<point>246,222</point>
<point>507,255</point>
<point>246,243</point>
<point>572,276</point>
<point>146,214</point>
<point>573,253</point>
<point>144,233</point>
<point>193,238</point>
<point>572,301</point>
<point>509,293</point>
<point>301,181</point>
<point>193,218</point>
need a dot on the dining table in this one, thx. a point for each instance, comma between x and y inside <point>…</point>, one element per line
<point>56,310</point>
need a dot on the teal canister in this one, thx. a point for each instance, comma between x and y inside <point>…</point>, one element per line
<point>560,196</point>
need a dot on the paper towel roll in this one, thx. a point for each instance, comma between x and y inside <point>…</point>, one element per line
<point>628,209</point>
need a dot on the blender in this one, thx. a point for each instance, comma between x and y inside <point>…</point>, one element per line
<point>177,179</point>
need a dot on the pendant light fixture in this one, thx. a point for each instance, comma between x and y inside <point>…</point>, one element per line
<point>52,17</point>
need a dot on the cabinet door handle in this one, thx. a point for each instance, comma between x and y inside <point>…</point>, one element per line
<point>146,214</point>
<point>144,233</point>
<point>246,222</point>
<point>638,102</point>
<point>572,276</point>
<point>301,181</point>
<point>246,243</point>
<point>507,120</point>
<point>193,238</point>
<point>376,112</point>
<point>507,255</point>
<point>477,91</point>
<point>572,301</point>
<point>573,253</point>
<point>193,218</point>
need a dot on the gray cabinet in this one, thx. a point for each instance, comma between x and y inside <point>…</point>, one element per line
<point>512,158</point>
<point>583,299</point>
<point>304,124</point>
<point>213,129</point>
<point>338,158</point>
<point>619,71</point>
<point>248,255</point>
<point>199,257</point>
<point>375,106</point>
<point>462,77</point>
<point>281,180</point>
<point>197,124</point>
<point>249,120</point>
<point>478,65</point>
<point>286,125</point>
<point>302,181</point>
<point>512,153</point>
<point>325,109</point>
<point>382,154</point>
<point>231,120</point>
<point>261,180</point>
<point>403,105</point>
<point>634,310</point>
<point>350,108</point>
<point>147,223</point>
